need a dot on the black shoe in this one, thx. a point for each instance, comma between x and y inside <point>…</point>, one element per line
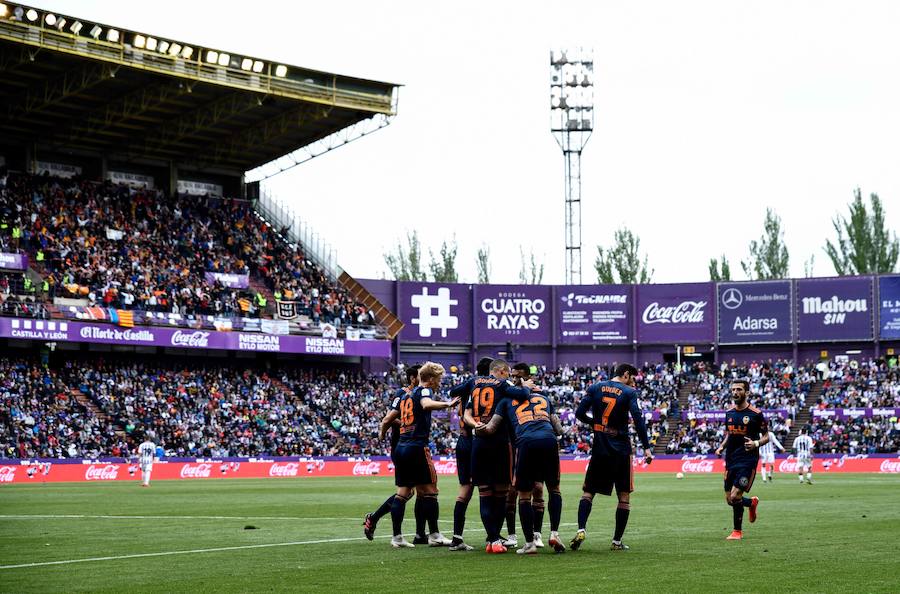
<point>420,540</point>
<point>369,527</point>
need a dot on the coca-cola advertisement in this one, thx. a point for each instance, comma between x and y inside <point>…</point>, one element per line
<point>55,471</point>
<point>676,314</point>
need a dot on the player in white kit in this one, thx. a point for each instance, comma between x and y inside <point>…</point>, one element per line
<point>146,452</point>
<point>803,448</point>
<point>767,456</point>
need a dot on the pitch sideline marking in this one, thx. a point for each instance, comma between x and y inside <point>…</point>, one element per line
<point>185,552</point>
<point>108,517</point>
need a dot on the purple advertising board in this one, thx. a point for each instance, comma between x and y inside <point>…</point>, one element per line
<point>719,415</point>
<point>853,413</point>
<point>835,309</point>
<point>889,297</point>
<point>232,281</point>
<point>594,314</point>
<point>13,261</point>
<point>516,313</point>
<point>59,331</point>
<point>435,312</point>
<point>751,313</point>
<point>679,313</point>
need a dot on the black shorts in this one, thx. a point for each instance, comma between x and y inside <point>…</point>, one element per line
<point>741,477</point>
<point>464,459</point>
<point>537,461</point>
<point>413,466</point>
<point>491,462</point>
<point>607,471</point>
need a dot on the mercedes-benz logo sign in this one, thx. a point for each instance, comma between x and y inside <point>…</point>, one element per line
<point>732,298</point>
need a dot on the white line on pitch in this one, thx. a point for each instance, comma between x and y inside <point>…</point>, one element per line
<point>111,517</point>
<point>107,517</point>
<point>186,552</point>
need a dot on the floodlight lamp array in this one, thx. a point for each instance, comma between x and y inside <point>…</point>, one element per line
<point>137,41</point>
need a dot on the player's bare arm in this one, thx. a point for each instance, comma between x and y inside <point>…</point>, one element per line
<point>557,426</point>
<point>754,444</point>
<point>386,423</point>
<point>432,404</point>
<point>490,427</point>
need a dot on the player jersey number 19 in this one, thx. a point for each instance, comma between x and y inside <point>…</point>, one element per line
<point>482,402</point>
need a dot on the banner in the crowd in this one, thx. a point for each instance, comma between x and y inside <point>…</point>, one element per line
<point>835,309</point>
<point>719,415</point>
<point>135,180</point>
<point>678,313</point>
<point>594,314</point>
<point>194,188</point>
<point>57,169</point>
<point>232,281</point>
<point>352,333</point>
<point>56,331</point>
<point>114,234</point>
<point>117,469</point>
<point>328,330</point>
<point>281,327</point>
<point>755,312</point>
<point>285,310</point>
<point>435,312</point>
<point>13,261</point>
<point>855,413</point>
<point>512,313</point>
<point>889,295</point>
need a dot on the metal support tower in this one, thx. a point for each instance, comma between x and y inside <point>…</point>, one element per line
<point>571,122</point>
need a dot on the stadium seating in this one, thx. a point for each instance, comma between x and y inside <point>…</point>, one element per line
<point>91,406</point>
<point>117,247</point>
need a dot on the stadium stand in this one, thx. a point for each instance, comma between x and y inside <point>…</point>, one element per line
<point>122,248</point>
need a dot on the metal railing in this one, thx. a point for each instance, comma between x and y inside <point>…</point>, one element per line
<point>285,220</point>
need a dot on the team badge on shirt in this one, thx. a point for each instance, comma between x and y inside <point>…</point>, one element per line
<point>746,420</point>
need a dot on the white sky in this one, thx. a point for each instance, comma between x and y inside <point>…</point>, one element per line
<point>706,113</point>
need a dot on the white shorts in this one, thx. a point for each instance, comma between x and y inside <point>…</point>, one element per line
<point>146,467</point>
<point>804,462</point>
<point>768,458</point>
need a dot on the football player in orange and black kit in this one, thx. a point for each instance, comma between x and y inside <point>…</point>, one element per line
<point>745,430</point>
<point>413,467</point>
<point>536,428</point>
<point>371,520</point>
<point>464,456</point>
<point>609,403</point>
<point>491,454</point>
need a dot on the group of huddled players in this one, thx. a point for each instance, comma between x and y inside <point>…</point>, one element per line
<point>508,437</point>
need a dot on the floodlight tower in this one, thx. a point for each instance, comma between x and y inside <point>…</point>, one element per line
<point>571,122</point>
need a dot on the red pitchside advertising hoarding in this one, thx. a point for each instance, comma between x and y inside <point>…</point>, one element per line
<point>12,471</point>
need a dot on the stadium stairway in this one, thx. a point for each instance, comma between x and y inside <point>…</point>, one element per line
<point>803,414</point>
<point>383,316</point>
<point>674,424</point>
<point>89,404</point>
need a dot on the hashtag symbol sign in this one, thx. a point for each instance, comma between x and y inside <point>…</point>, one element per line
<point>434,312</point>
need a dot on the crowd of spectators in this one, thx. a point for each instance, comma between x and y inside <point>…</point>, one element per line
<point>852,384</point>
<point>128,248</point>
<point>203,409</point>
<point>215,409</point>
<point>773,385</point>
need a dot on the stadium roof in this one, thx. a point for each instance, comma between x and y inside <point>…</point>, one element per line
<point>67,82</point>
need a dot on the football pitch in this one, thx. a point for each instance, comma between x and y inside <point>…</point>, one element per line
<point>838,535</point>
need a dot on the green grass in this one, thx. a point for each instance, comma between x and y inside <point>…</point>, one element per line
<point>839,535</point>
